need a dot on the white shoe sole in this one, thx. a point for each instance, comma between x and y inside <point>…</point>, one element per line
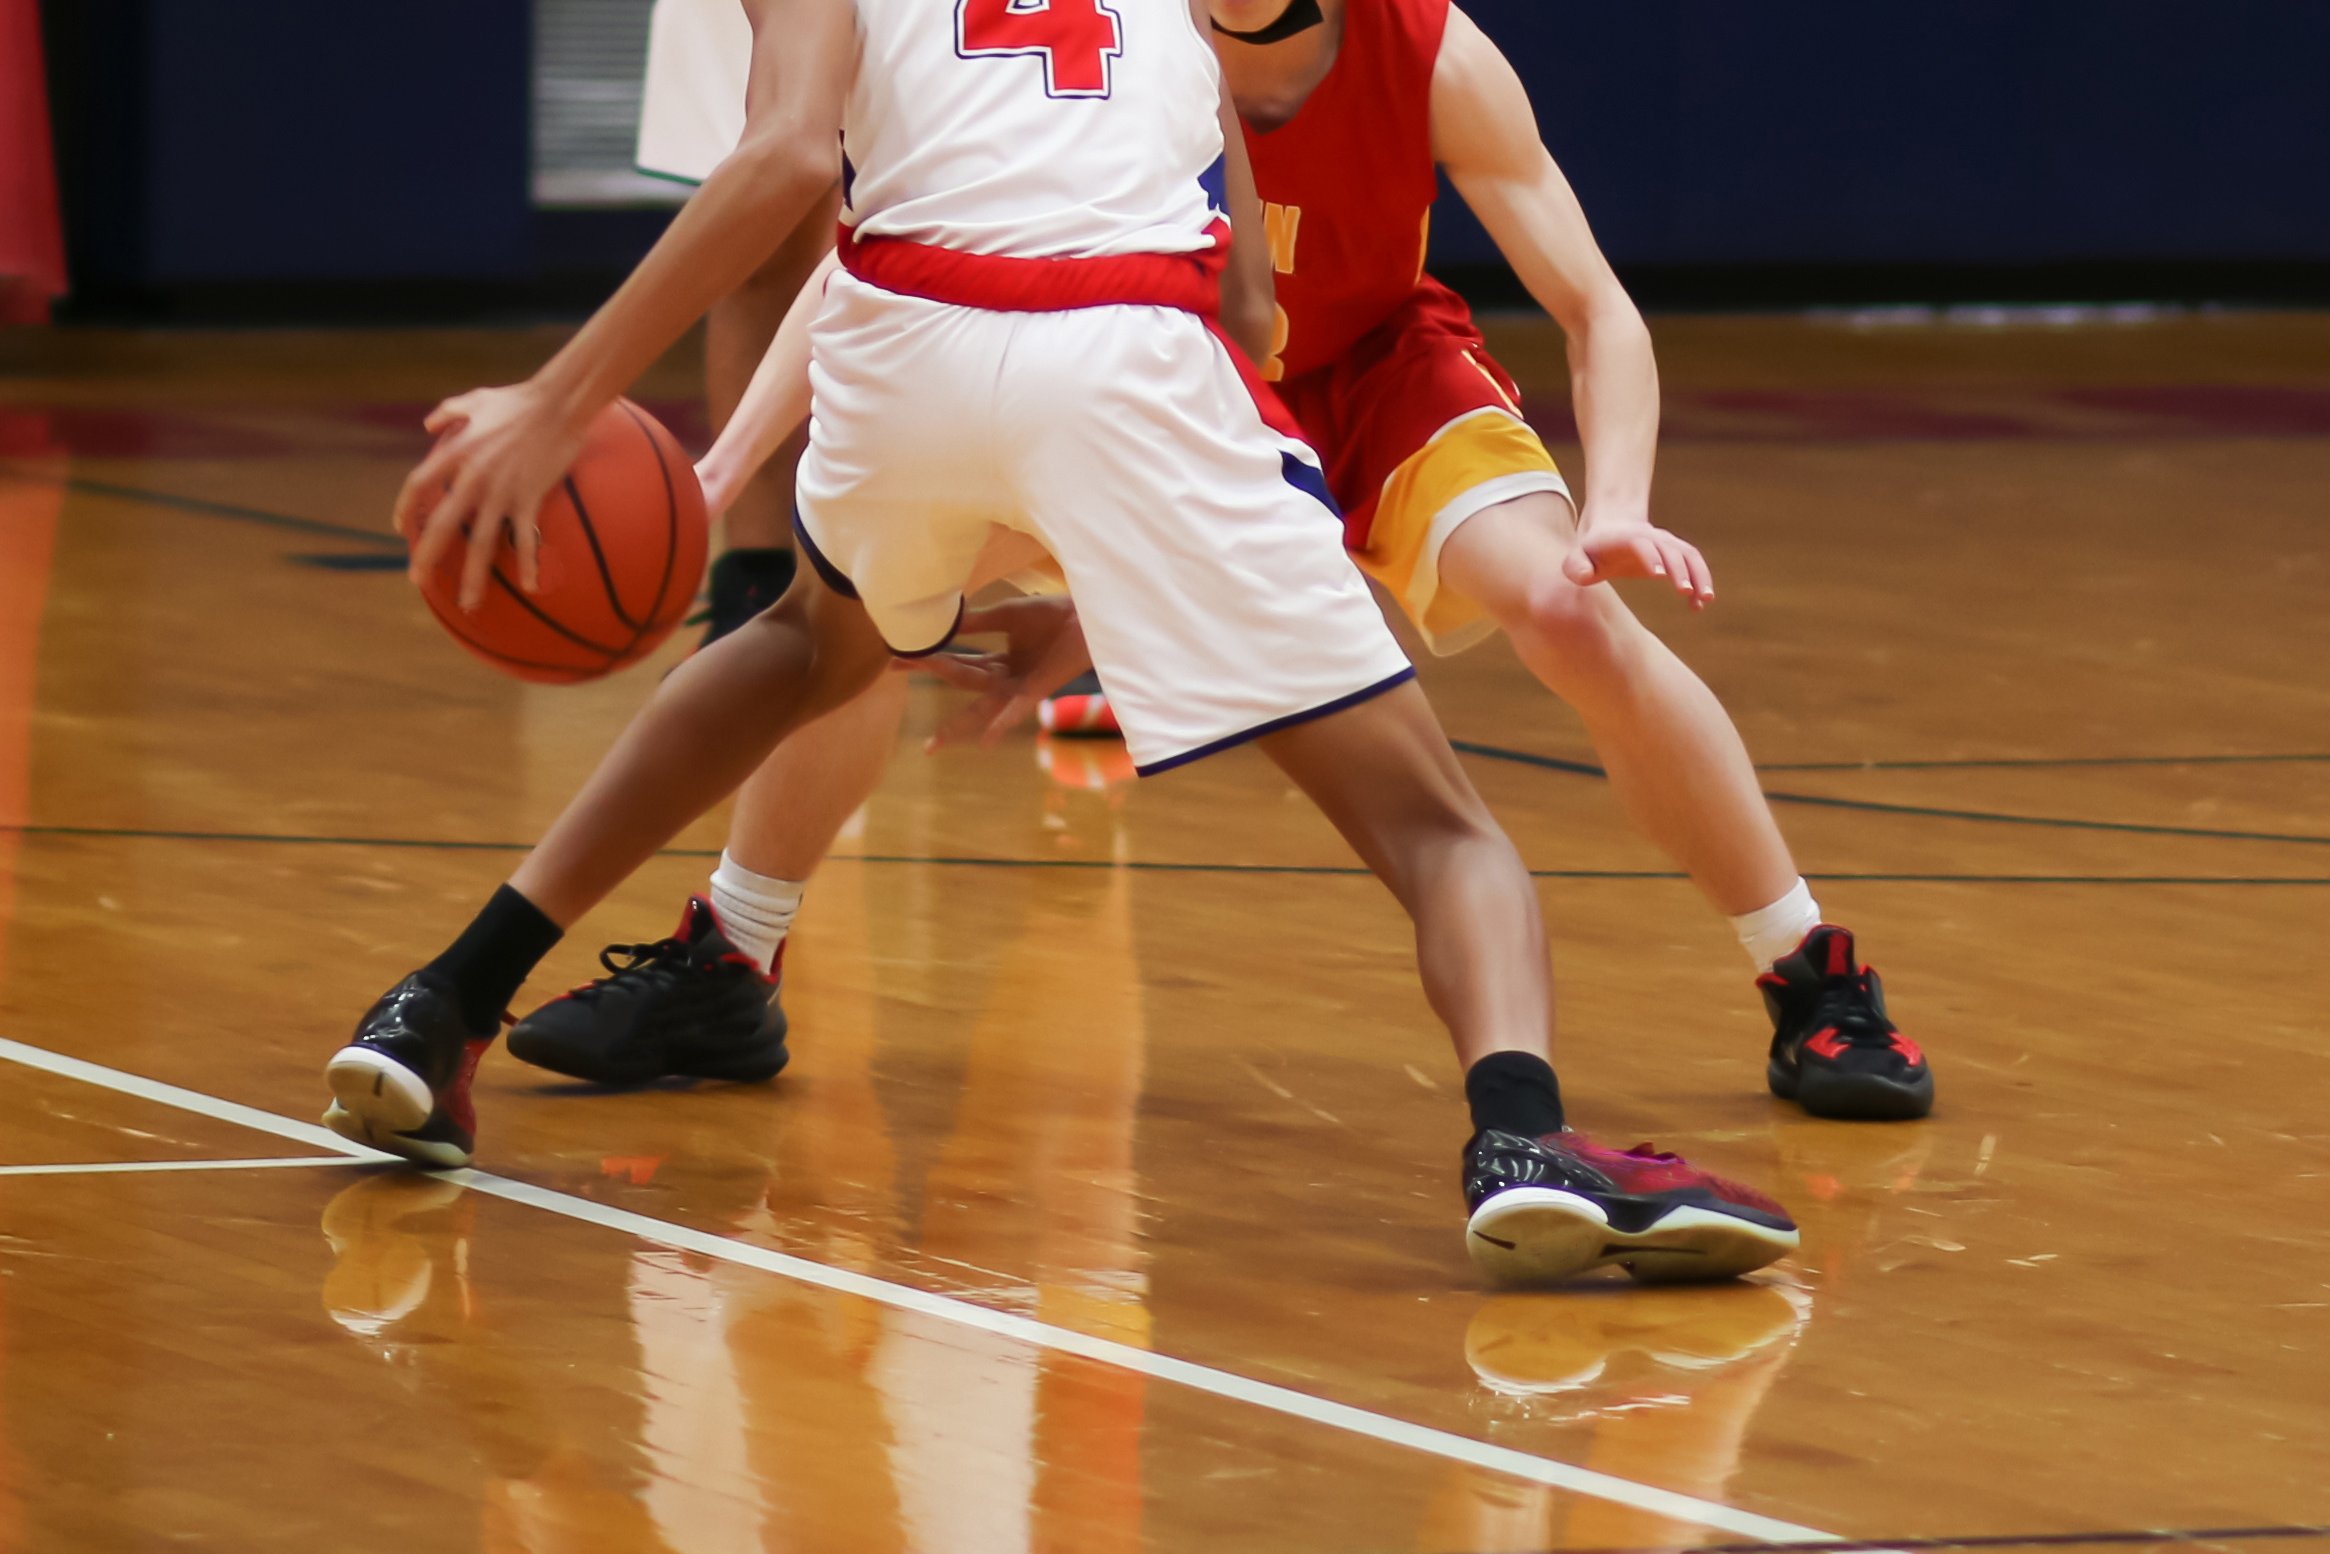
<point>377,1101</point>
<point>1531,1236</point>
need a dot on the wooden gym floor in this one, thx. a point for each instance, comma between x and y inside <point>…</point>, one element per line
<point>1110,1202</point>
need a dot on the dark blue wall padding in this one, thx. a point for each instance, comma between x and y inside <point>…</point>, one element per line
<point>1930,131</point>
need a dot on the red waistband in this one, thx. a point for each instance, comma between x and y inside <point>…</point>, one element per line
<point>1191,282</point>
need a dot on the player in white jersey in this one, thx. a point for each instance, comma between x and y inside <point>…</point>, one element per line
<point>1024,341</point>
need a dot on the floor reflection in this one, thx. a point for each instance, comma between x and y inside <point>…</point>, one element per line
<point>764,1414</point>
<point>1656,1385</point>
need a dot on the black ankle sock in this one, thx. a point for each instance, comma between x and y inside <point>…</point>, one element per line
<point>1514,1092</point>
<point>494,954</point>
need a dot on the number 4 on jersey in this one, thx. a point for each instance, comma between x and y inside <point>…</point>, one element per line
<point>1077,38</point>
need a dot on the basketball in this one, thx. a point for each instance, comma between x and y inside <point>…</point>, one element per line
<point>623,543</point>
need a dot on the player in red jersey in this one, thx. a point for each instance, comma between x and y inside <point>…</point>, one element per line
<point>1450,501</point>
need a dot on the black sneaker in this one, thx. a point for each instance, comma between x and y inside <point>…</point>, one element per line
<point>693,1006</point>
<point>743,583</point>
<point>1546,1209</point>
<point>1834,1051</point>
<point>402,1082</point>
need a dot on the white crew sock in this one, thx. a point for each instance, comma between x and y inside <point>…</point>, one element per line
<point>755,911</point>
<point>1771,932</point>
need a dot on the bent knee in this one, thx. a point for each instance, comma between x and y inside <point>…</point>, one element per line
<point>1588,627</point>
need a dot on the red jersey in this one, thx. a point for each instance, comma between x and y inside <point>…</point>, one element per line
<point>1347,186</point>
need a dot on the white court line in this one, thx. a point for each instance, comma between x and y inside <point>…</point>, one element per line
<point>123,1167</point>
<point>1041,1335</point>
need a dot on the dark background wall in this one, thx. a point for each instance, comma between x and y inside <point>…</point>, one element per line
<point>280,150</point>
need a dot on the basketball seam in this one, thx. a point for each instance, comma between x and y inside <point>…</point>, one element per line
<point>614,655</point>
<point>599,557</point>
<point>671,509</point>
<point>495,655</point>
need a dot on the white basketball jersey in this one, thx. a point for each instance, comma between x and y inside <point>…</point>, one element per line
<point>1034,128</point>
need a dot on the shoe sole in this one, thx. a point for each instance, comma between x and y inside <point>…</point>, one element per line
<point>1533,1236</point>
<point>1853,1097</point>
<point>749,1065</point>
<point>377,1102</point>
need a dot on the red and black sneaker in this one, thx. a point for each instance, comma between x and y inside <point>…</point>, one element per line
<point>402,1082</point>
<point>1835,1052</point>
<point>1547,1209</point>
<point>1079,710</point>
<point>692,1006</point>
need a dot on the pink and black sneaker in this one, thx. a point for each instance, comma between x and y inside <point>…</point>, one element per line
<point>692,1006</point>
<point>1547,1209</point>
<point>1835,1052</point>
<point>402,1082</point>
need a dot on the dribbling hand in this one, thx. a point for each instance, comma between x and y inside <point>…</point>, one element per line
<point>499,451</point>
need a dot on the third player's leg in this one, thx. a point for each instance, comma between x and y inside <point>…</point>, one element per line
<point>1672,752</point>
<point>1382,771</point>
<point>791,809</point>
<point>736,337</point>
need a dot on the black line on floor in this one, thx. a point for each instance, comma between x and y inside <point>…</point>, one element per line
<point>2121,1537</point>
<point>2037,762</point>
<point>1146,866</point>
<point>1923,811</point>
<point>208,509</point>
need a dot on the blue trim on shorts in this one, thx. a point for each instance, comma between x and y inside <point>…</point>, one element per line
<point>825,569</point>
<point>1275,724</point>
<point>841,585</point>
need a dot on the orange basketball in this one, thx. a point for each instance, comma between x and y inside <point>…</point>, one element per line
<point>623,545</point>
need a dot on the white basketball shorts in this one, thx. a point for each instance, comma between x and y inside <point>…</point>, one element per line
<point>1206,562</point>
<point>691,115</point>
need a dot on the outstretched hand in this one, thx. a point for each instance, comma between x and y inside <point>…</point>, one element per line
<point>499,452</point>
<point>1044,650</point>
<point>1636,547</point>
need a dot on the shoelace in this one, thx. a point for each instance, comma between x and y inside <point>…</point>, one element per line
<point>621,960</point>
<point>1847,1005</point>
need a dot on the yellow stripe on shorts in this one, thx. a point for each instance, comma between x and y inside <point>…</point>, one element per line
<point>1465,454</point>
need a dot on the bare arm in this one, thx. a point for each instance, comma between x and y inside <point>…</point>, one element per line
<point>1485,134</point>
<point>1249,302</point>
<point>500,450</point>
<point>774,403</point>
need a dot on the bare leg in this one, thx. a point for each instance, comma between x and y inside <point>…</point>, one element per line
<point>1671,750</point>
<point>1383,773</point>
<point>792,808</point>
<point>708,725</point>
<point>737,333</point>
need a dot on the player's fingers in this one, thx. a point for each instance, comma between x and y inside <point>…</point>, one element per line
<point>1702,575</point>
<point>1645,554</point>
<point>964,724</point>
<point>974,672</point>
<point>485,537</point>
<point>528,539</point>
<point>1678,568</point>
<point>448,414</point>
<point>439,528</point>
<point>1018,710</point>
<point>1578,566</point>
<point>422,489</point>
